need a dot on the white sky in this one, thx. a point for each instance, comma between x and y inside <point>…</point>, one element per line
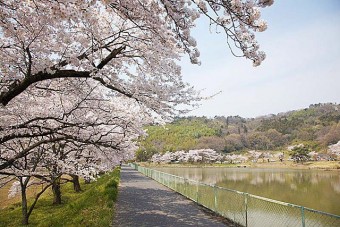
<point>302,44</point>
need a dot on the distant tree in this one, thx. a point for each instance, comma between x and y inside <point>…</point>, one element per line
<point>329,135</point>
<point>245,129</point>
<point>211,142</point>
<point>258,141</point>
<point>276,138</point>
<point>143,155</point>
<point>300,153</point>
<point>183,134</point>
<point>233,142</point>
<point>305,133</point>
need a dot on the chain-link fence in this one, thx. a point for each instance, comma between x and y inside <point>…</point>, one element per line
<point>240,207</point>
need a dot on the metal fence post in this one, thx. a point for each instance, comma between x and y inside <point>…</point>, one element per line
<point>176,183</point>
<point>197,192</point>
<point>246,206</point>
<point>303,216</point>
<point>215,199</point>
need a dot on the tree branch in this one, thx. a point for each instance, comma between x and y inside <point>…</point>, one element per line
<point>18,87</point>
<point>23,153</point>
<point>112,55</point>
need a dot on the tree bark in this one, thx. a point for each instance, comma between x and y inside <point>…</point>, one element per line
<point>76,184</point>
<point>18,87</point>
<point>24,206</point>
<point>56,191</point>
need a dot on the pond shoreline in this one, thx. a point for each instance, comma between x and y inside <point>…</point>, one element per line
<point>293,186</point>
<point>318,165</point>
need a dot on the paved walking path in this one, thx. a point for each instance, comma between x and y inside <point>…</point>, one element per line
<point>144,202</point>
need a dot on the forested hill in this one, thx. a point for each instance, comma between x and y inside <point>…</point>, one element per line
<point>318,126</point>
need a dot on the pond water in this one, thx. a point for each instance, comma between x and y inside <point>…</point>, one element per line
<point>316,189</point>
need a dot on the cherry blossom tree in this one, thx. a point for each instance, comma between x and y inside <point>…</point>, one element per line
<point>200,155</point>
<point>87,119</point>
<point>82,135</point>
<point>334,149</point>
<point>79,78</point>
<point>22,175</point>
<point>130,47</point>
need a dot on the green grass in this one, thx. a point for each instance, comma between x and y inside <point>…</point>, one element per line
<point>91,207</point>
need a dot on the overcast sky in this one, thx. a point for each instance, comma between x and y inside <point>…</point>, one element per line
<point>302,44</point>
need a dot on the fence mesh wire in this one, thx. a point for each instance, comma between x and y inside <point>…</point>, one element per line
<point>261,212</point>
<point>231,205</point>
<point>243,208</point>
<point>316,218</point>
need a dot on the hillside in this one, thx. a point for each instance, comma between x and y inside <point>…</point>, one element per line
<point>316,126</point>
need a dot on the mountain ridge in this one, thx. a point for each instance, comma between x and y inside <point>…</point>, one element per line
<point>317,126</point>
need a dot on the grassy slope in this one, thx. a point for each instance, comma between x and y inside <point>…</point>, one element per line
<point>92,207</point>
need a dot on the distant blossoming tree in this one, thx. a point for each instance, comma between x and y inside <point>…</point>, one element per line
<point>201,155</point>
<point>334,149</point>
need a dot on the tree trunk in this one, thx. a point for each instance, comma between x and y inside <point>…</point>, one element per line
<point>76,184</point>
<point>24,206</point>
<point>56,191</point>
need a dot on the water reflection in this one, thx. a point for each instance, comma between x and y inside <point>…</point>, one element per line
<point>315,189</point>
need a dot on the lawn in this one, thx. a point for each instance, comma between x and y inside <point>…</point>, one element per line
<point>91,207</point>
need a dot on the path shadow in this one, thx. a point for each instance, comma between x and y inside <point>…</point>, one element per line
<point>144,202</point>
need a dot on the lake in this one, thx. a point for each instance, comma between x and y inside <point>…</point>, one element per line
<point>316,189</point>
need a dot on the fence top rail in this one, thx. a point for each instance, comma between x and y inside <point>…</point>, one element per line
<point>321,212</point>
<point>243,193</point>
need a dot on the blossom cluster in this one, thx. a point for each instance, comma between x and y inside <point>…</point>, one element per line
<point>201,156</point>
<point>334,149</point>
<point>239,20</point>
<point>211,156</point>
